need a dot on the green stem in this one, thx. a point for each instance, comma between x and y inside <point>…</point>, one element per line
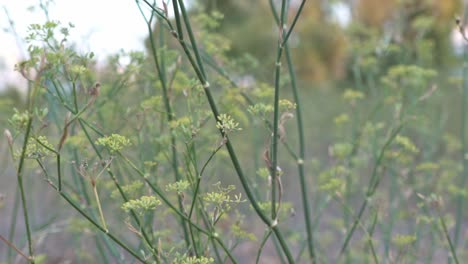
<point>447,236</point>
<point>464,149</point>
<point>161,69</point>
<point>21,187</point>
<point>166,201</point>
<point>75,98</point>
<point>201,76</point>
<point>371,243</point>
<point>121,192</point>
<point>300,160</point>
<point>274,148</point>
<point>296,17</point>
<point>262,245</point>
<point>102,229</point>
<point>373,184</point>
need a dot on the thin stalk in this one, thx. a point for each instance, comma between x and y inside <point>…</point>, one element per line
<point>278,249</point>
<point>91,220</point>
<point>373,184</point>
<point>47,179</point>
<point>98,201</point>
<point>160,14</point>
<point>300,160</point>
<point>447,236</point>
<point>366,232</point>
<point>191,37</point>
<point>464,148</point>
<point>197,185</point>
<point>262,245</point>
<point>59,173</point>
<point>302,144</point>
<point>201,76</point>
<point>13,247</point>
<point>195,195</point>
<point>75,97</point>
<point>166,201</point>
<point>21,188</point>
<point>207,59</point>
<point>371,244</point>
<point>121,192</point>
<point>296,17</point>
<point>274,144</point>
<point>161,69</point>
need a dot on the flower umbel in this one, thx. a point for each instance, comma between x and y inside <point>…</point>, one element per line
<point>142,205</point>
<point>114,142</point>
<point>227,124</point>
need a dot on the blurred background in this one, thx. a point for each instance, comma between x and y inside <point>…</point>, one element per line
<point>327,43</point>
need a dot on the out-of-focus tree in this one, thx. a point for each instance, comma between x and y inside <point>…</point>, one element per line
<point>323,49</point>
<point>415,25</point>
<point>388,32</point>
<point>318,43</point>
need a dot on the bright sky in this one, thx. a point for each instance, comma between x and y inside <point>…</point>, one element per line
<point>101,26</point>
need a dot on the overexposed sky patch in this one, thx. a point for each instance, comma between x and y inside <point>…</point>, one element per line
<point>102,26</point>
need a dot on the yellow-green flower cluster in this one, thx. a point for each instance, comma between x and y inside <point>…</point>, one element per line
<point>407,144</point>
<point>341,150</point>
<point>19,119</point>
<point>114,142</point>
<point>221,200</point>
<point>352,95</point>
<point>35,150</point>
<point>286,105</point>
<point>152,103</point>
<point>178,186</point>
<point>341,119</point>
<point>408,76</point>
<point>192,260</point>
<point>227,124</point>
<point>142,205</point>
<point>403,240</point>
<point>260,109</point>
<point>242,234</point>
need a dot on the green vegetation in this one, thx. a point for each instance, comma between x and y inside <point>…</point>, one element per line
<point>199,152</point>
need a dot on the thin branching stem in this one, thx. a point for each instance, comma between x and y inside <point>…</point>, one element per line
<point>447,236</point>
<point>12,246</point>
<point>199,70</point>
<point>161,69</point>
<point>293,24</point>
<point>300,128</point>
<point>97,225</point>
<point>21,187</point>
<point>274,170</point>
<point>145,235</point>
<point>463,139</point>
<point>262,245</point>
<point>166,201</point>
<point>373,184</point>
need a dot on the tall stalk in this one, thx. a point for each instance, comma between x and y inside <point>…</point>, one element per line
<point>197,65</point>
<point>372,186</point>
<point>463,137</point>
<point>274,145</point>
<point>32,93</point>
<point>21,186</point>
<point>161,69</point>
<point>302,144</point>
